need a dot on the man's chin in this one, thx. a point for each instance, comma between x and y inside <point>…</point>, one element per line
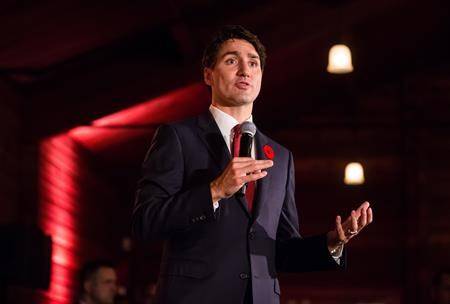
<point>243,101</point>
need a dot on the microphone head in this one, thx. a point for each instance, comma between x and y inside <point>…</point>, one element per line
<point>247,127</point>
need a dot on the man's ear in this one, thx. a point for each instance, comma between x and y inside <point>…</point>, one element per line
<point>207,76</point>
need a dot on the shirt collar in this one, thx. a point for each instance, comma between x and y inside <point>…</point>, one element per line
<point>225,121</point>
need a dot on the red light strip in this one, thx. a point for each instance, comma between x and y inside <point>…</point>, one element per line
<point>58,168</point>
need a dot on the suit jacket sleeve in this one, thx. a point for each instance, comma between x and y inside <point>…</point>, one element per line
<point>163,206</point>
<point>293,252</point>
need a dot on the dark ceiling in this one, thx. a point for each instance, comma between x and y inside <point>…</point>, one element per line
<point>71,62</point>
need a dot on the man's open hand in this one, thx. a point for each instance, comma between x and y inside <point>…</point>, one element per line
<point>343,232</point>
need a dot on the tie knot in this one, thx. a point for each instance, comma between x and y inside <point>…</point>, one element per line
<point>235,132</point>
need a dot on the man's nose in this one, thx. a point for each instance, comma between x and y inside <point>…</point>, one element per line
<point>243,70</point>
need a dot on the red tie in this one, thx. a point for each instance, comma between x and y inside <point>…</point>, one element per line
<point>250,190</point>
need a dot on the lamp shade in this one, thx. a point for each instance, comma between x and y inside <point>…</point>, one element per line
<point>339,59</point>
<point>354,174</point>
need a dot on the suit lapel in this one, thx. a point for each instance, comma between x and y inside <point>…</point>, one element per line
<point>210,134</point>
<point>263,184</point>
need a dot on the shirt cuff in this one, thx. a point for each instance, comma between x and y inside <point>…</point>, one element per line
<point>336,254</point>
<point>215,205</point>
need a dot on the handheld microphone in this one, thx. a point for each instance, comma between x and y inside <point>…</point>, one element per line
<point>248,131</point>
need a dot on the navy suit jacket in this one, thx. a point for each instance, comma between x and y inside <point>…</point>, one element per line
<point>210,257</point>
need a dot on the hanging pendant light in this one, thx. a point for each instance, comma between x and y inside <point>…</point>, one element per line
<point>354,174</point>
<point>339,60</point>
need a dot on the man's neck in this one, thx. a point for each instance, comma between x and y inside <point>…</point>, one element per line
<point>241,113</point>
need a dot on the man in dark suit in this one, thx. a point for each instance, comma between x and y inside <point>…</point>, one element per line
<point>220,246</point>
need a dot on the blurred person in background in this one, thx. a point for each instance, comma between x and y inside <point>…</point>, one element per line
<point>98,283</point>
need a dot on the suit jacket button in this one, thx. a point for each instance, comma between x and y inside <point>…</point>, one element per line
<point>202,217</point>
<point>244,276</point>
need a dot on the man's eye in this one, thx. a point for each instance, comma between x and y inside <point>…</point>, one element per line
<point>253,64</point>
<point>230,61</point>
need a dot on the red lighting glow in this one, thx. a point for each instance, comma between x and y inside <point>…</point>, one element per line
<point>175,105</point>
<point>58,200</point>
<point>60,182</point>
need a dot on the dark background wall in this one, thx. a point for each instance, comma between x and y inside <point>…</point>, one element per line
<point>9,153</point>
<point>64,65</point>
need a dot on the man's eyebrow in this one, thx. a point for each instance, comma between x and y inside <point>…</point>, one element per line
<point>236,53</point>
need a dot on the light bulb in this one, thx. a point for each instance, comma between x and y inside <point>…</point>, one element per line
<point>354,174</point>
<point>339,60</point>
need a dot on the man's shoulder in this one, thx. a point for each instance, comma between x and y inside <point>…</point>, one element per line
<point>185,125</point>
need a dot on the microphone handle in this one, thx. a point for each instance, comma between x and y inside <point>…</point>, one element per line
<point>245,151</point>
<point>245,148</point>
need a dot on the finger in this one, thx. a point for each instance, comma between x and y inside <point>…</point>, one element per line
<point>256,166</point>
<point>251,162</point>
<point>363,218</point>
<point>241,159</point>
<point>363,206</point>
<point>242,163</point>
<point>347,224</point>
<point>339,229</point>
<point>253,177</point>
<point>369,215</point>
<point>267,162</point>
<point>243,168</point>
<point>354,221</point>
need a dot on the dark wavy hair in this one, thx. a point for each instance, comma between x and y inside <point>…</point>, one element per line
<point>231,32</point>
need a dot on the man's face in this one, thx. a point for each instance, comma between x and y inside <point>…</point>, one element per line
<point>102,287</point>
<point>235,79</point>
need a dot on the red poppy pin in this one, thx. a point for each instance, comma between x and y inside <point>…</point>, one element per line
<point>268,151</point>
